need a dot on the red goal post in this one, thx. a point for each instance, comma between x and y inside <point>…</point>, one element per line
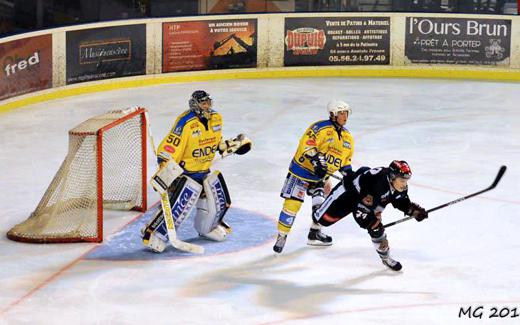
<point>105,168</point>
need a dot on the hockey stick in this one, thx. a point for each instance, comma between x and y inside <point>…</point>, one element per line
<point>168,216</point>
<point>501,172</point>
<point>172,233</point>
<point>335,176</point>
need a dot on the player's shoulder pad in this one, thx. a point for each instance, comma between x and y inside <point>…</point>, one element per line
<point>215,114</point>
<point>347,135</point>
<point>216,121</point>
<point>320,125</point>
<point>182,120</point>
<point>373,173</point>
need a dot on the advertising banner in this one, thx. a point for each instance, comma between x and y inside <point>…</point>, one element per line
<point>26,65</point>
<point>103,53</point>
<point>337,41</point>
<point>209,44</point>
<point>458,41</point>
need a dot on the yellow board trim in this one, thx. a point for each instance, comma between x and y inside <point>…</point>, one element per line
<point>143,81</point>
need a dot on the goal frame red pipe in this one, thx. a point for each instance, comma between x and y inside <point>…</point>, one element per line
<point>99,169</point>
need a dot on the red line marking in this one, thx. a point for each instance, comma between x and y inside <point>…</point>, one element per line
<point>199,257</point>
<point>74,262</point>
<point>77,260</point>
<point>44,282</point>
<point>59,272</point>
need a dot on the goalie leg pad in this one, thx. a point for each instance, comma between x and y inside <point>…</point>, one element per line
<point>185,192</point>
<point>155,234</point>
<point>204,221</point>
<point>182,200</point>
<point>156,242</point>
<point>211,210</point>
<point>219,233</point>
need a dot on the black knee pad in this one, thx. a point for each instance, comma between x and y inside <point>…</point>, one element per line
<point>377,232</point>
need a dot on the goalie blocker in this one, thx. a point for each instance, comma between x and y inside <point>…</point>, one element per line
<point>212,202</point>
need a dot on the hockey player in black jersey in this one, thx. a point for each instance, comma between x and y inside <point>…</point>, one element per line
<point>365,194</point>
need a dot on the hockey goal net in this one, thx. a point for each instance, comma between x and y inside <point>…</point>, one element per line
<point>105,168</point>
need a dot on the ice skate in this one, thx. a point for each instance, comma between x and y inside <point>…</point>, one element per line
<point>317,238</point>
<point>280,243</point>
<point>392,264</point>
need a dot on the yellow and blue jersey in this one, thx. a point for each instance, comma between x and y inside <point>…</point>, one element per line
<point>192,143</point>
<point>336,143</point>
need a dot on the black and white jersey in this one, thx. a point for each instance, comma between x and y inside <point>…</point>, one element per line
<point>373,191</point>
<point>365,193</point>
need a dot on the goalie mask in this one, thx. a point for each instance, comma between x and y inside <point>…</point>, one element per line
<point>399,174</point>
<point>201,103</point>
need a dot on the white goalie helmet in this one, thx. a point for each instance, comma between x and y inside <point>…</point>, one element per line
<point>336,106</point>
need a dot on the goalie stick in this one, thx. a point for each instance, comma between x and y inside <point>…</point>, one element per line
<point>501,172</point>
<point>168,216</point>
<point>172,233</point>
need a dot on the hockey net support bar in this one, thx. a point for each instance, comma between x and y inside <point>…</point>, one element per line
<point>105,168</point>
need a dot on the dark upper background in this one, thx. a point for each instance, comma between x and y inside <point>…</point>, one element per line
<point>20,16</point>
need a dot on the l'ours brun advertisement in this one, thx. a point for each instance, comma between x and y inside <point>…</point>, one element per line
<point>209,44</point>
<point>458,41</point>
<point>108,52</point>
<point>26,65</point>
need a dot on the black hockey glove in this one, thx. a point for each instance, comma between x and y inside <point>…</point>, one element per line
<point>348,177</point>
<point>319,163</point>
<point>347,172</point>
<point>418,212</point>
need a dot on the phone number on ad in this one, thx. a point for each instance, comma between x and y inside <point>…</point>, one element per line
<point>357,58</point>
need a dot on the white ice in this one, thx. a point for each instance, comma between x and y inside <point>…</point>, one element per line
<point>454,134</point>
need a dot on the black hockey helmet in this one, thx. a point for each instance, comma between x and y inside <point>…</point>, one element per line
<point>198,97</point>
<point>400,168</point>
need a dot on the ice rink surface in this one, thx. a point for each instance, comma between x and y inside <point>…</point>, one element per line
<point>454,134</point>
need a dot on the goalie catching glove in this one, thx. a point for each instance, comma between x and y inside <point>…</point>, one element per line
<point>418,212</point>
<point>239,145</point>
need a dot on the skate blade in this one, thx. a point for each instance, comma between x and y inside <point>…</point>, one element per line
<point>395,268</point>
<point>318,243</point>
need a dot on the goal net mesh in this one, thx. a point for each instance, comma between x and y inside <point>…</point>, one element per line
<point>105,168</point>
